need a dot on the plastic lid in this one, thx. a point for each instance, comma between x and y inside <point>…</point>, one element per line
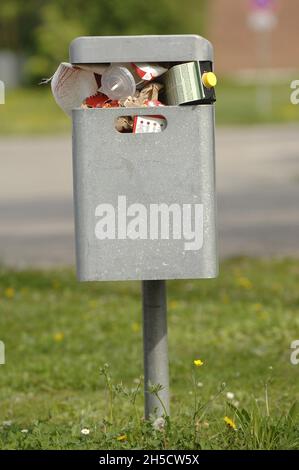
<point>118,83</point>
<point>209,79</point>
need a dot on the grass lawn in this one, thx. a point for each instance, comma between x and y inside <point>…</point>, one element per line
<point>58,334</point>
<point>34,111</point>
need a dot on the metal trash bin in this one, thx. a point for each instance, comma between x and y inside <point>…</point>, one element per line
<point>145,205</point>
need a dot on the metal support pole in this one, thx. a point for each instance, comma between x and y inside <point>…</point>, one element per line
<point>155,347</point>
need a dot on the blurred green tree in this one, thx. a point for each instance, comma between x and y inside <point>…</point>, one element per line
<point>43,29</point>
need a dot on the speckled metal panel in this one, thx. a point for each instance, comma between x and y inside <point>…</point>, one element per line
<point>176,166</point>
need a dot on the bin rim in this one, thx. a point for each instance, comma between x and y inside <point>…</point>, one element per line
<point>140,48</point>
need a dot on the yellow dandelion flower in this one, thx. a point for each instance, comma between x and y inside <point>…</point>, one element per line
<point>9,292</point>
<point>257,307</point>
<point>173,304</point>
<point>231,424</point>
<point>225,298</point>
<point>56,284</point>
<point>92,304</point>
<point>264,315</point>
<point>122,438</point>
<point>58,337</point>
<point>244,282</point>
<point>276,287</point>
<point>135,327</point>
<point>198,362</point>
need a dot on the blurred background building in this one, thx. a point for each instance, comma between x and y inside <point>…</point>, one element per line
<point>238,46</point>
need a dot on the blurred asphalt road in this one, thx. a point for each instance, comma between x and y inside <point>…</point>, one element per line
<point>258,195</point>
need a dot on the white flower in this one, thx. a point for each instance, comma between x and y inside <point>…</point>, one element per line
<point>199,384</point>
<point>236,403</point>
<point>24,431</point>
<point>230,395</point>
<point>159,424</point>
<point>7,423</point>
<point>85,431</point>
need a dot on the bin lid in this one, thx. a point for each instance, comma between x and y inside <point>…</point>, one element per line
<point>166,48</point>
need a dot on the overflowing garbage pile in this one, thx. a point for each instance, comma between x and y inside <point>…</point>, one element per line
<point>134,85</point>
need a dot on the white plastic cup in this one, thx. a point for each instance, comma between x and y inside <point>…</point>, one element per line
<point>118,83</point>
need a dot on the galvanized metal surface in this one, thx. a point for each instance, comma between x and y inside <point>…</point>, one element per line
<point>174,166</point>
<point>167,48</point>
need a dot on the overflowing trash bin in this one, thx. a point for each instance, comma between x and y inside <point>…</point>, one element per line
<point>143,156</point>
<point>142,109</point>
